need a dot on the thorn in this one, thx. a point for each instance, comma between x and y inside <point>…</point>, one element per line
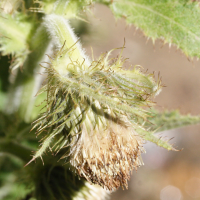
<point>188,58</point>
<point>49,57</point>
<point>29,162</point>
<point>42,160</point>
<point>171,139</point>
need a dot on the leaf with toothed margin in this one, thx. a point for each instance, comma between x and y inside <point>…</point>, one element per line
<point>167,120</point>
<point>159,141</point>
<point>174,21</point>
<point>161,121</point>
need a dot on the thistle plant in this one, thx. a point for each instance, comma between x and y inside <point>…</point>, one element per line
<point>91,117</point>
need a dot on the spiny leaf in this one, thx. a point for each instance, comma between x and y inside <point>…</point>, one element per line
<point>159,141</point>
<point>171,119</point>
<point>14,32</point>
<point>162,121</point>
<point>175,21</point>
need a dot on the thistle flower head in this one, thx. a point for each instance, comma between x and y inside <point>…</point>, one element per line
<point>93,112</point>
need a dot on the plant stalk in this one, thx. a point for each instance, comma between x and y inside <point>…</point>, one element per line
<point>22,92</point>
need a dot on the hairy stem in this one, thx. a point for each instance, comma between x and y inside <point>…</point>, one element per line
<point>22,93</point>
<point>63,34</point>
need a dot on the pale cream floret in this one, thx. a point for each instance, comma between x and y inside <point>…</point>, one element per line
<point>107,154</point>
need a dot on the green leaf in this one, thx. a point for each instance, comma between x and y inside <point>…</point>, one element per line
<point>170,119</point>
<point>14,33</point>
<point>174,21</point>
<point>27,83</point>
<point>161,121</point>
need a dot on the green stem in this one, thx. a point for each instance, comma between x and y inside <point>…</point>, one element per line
<point>22,93</point>
<point>62,33</point>
<point>18,150</point>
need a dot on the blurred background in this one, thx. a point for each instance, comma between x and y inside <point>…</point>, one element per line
<point>165,175</point>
